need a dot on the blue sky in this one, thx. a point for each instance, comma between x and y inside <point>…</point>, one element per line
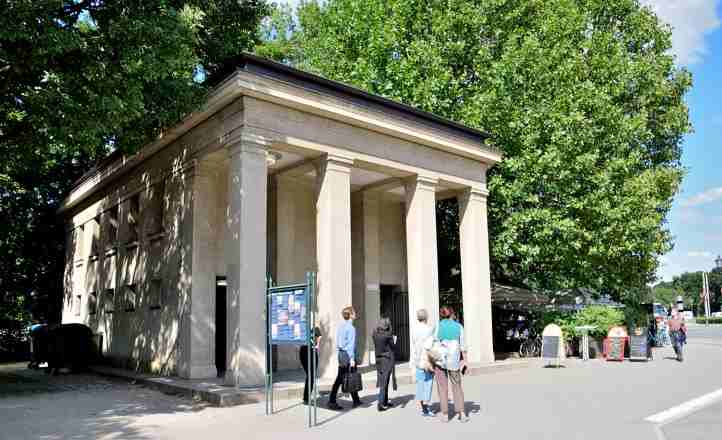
<point>696,217</point>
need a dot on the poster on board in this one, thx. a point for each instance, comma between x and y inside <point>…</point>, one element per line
<point>288,317</point>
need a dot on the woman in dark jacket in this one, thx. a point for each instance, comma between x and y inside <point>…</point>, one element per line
<point>384,346</point>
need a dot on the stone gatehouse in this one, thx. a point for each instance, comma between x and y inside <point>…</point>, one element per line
<point>281,172</point>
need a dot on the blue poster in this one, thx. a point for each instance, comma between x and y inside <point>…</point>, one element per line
<point>288,317</point>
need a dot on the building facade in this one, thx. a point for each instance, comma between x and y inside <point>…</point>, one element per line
<point>281,172</point>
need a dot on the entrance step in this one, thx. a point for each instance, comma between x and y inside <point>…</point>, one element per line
<point>288,385</point>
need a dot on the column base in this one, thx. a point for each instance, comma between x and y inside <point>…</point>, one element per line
<point>203,372</point>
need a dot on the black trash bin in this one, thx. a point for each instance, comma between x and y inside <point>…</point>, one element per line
<point>70,346</point>
<point>38,345</point>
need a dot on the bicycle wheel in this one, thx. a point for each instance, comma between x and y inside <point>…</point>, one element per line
<point>521,350</point>
<point>537,347</point>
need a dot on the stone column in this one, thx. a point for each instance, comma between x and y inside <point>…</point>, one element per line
<point>246,260</point>
<point>421,251</point>
<point>366,262</point>
<point>333,252</point>
<point>203,280</point>
<point>372,267</point>
<point>475,274</point>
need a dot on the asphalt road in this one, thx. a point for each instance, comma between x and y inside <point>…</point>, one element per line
<point>593,400</point>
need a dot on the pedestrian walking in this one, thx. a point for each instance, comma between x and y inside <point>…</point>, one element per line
<point>346,350</point>
<point>421,338</point>
<point>451,336</point>
<point>303,357</point>
<point>384,346</point>
<point>678,333</point>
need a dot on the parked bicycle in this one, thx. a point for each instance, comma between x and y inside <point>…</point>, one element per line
<point>531,347</point>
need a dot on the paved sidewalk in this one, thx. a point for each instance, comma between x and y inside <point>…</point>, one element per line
<point>590,401</point>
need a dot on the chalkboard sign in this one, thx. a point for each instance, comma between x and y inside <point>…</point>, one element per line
<point>550,347</point>
<point>615,348</point>
<point>638,348</point>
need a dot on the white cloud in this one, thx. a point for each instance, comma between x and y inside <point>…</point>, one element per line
<point>690,21</point>
<point>293,3</point>
<point>699,254</point>
<point>711,195</point>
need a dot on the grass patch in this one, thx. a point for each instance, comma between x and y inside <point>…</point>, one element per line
<point>716,320</point>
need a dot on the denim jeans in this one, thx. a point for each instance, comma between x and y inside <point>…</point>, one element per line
<point>424,385</point>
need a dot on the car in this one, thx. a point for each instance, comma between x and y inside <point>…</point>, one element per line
<point>716,315</point>
<point>687,314</point>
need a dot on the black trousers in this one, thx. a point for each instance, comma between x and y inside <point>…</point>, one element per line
<point>343,368</point>
<point>677,343</point>
<point>384,367</point>
<point>310,376</point>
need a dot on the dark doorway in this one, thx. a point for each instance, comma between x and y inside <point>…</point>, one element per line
<point>221,326</point>
<point>395,306</point>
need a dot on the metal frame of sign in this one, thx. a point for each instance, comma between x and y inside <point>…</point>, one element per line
<point>309,289</point>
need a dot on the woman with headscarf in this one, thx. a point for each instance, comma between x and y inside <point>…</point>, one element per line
<point>384,345</point>
<point>421,336</point>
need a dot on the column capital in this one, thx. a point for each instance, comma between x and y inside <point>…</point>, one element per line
<point>423,182</point>
<point>474,193</point>
<point>245,146</point>
<point>203,168</point>
<point>336,162</point>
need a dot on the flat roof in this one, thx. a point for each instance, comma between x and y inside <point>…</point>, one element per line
<point>265,67</point>
<point>255,64</point>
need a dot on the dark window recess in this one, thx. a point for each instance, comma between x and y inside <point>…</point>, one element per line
<point>109,301</point>
<point>134,218</point>
<point>156,294</point>
<point>95,236</point>
<point>130,297</point>
<point>92,303</point>
<point>112,226</point>
<point>155,209</point>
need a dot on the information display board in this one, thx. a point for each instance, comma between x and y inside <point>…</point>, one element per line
<point>638,348</point>
<point>288,317</point>
<point>289,320</point>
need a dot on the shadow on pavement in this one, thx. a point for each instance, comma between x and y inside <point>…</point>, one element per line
<point>366,401</point>
<point>35,405</point>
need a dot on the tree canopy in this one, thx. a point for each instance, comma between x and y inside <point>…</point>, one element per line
<point>689,286</point>
<point>582,96</point>
<point>79,78</point>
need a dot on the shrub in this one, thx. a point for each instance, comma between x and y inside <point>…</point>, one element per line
<point>636,315</point>
<point>602,317</point>
<point>565,320</point>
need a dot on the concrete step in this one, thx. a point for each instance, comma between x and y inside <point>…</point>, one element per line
<point>287,385</point>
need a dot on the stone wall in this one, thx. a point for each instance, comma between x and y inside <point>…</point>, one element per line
<point>129,265</point>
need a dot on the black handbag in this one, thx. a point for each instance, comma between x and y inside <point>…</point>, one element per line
<point>352,383</point>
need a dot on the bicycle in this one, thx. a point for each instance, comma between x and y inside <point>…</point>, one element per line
<point>531,347</point>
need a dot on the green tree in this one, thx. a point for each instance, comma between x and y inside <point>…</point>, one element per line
<point>689,286</point>
<point>80,78</point>
<point>582,96</point>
